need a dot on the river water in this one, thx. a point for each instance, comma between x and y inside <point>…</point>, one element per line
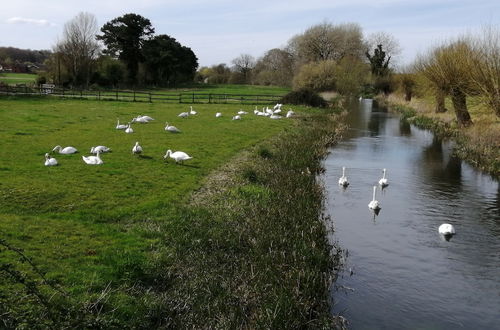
<point>399,272</point>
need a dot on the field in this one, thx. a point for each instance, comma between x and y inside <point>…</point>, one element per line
<point>73,220</point>
<point>17,78</point>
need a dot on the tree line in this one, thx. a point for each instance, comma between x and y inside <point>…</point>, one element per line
<point>123,52</point>
<point>22,60</point>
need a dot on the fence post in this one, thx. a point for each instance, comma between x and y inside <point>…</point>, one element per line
<point>209,98</point>
<point>150,97</point>
<point>81,93</point>
<point>63,92</point>
<point>134,95</point>
<point>99,95</point>
<point>193,98</point>
<point>116,95</point>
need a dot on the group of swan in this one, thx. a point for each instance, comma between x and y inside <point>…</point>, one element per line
<point>93,160</point>
<point>139,119</point>
<point>446,229</point>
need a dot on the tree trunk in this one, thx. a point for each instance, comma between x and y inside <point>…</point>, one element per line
<point>458,98</point>
<point>440,108</point>
<point>408,95</point>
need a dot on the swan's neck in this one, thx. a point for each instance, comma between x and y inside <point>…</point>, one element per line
<point>343,171</point>
<point>374,192</point>
<point>383,177</point>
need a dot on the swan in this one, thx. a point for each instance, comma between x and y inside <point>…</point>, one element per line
<point>269,111</point>
<point>129,129</point>
<point>383,182</point>
<point>360,98</point>
<point>241,112</point>
<point>183,114</point>
<point>218,114</point>
<point>275,116</point>
<point>237,117</point>
<point>192,112</point>
<point>277,106</point>
<point>343,179</point>
<point>66,151</point>
<point>373,205</point>
<point>178,156</point>
<point>137,149</point>
<point>49,161</point>
<point>120,126</point>
<point>446,229</point>
<point>101,149</point>
<point>277,111</point>
<point>146,118</point>
<point>290,114</point>
<point>140,119</point>
<point>171,128</point>
<point>93,160</point>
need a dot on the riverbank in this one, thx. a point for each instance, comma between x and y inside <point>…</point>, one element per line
<point>248,249</point>
<point>479,144</point>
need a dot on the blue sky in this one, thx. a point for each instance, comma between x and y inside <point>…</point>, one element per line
<point>220,30</point>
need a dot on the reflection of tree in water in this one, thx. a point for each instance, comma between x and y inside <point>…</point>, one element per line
<point>404,128</point>
<point>440,168</point>
<point>376,124</point>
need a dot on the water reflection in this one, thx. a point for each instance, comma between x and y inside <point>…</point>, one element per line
<point>406,274</point>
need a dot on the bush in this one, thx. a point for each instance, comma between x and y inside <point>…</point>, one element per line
<point>304,96</point>
<point>318,76</point>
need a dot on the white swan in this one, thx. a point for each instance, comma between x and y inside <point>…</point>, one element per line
<point>373,205</point>
<point>178,156</point>
<point>192,112</point>
<point>383,182</point>
<point>140,119</point>
<point>446,229</point>
<point>237,117</point>
<point>171,128</point>
<point>49,161</point>
<point>241,112</point>
<point>137,149</point>
<point>93,160</point>
<point>66,150</point>
<point>183,114</point>
<point>218,114</point>
<point>146,118</point>
<point>129,129</point>
<point>343,179</point>
<point>101,149</point>
<point>290,114</point>
<point>275,116</point>
<point>277,106</point>
<point>120,126</point>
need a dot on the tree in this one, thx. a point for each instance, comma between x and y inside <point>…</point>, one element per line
<point>78,48</point>
<point>275,68</point>
<point>243,65</point>
<point>167,61</point>
<point>327,42</point>
<point>378,61</point>
<point>124,38</point>
<point>388,42</point>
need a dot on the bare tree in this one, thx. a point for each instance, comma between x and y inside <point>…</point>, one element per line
<point>484,66</point>
<point>244,64</point>
<point>275,68</point>
<point>389,43</point>
<point>78,48</point>
<point>326,41</point>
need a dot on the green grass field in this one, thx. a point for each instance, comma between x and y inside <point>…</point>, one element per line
<point>74,220</point>
<point>17,78</point>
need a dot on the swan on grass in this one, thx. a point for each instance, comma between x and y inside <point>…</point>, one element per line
<point>93,160</point>
<point>290,114</point>
<point>237,117</point>
<point>65,151</point>
<point>120,126</point>
<point>183,114</point>
<point>446,229</point>
<point>218,114</point>
<point>191,111</point>
<point>137,149</point>
<point>171,128</point>
<point>343,179</point>
<point>241,112</point>
<point>383,182</point>
<point>374,205</point>
<point>129,129</point>
<point>178,156</point>
<point>49,161</point>
<point>101,149</point>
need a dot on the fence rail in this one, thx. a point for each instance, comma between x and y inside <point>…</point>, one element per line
<point>141,96</point>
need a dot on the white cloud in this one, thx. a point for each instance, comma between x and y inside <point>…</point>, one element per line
<point>23,20</point>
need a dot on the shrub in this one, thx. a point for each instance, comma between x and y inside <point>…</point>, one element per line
<point>318,76</point>
<point>304,96</point>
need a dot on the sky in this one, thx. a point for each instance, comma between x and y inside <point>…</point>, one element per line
<point>220,30</point>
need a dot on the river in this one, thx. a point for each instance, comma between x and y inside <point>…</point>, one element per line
<point>399,273</point>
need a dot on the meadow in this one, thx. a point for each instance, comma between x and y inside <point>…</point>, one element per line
<point>17,78</point>
<point>99,233</point>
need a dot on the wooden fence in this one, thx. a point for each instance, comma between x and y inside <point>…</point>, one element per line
<point>140,96</point>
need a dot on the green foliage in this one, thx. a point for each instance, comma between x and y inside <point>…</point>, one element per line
<point>378,62</point>
<point>317,76</point>
<point>304,96</point>
<point>124,37</point>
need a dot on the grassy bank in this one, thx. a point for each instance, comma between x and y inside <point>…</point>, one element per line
<point>478,144</point>
<point>123,245</point>
<point>17,78</point>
